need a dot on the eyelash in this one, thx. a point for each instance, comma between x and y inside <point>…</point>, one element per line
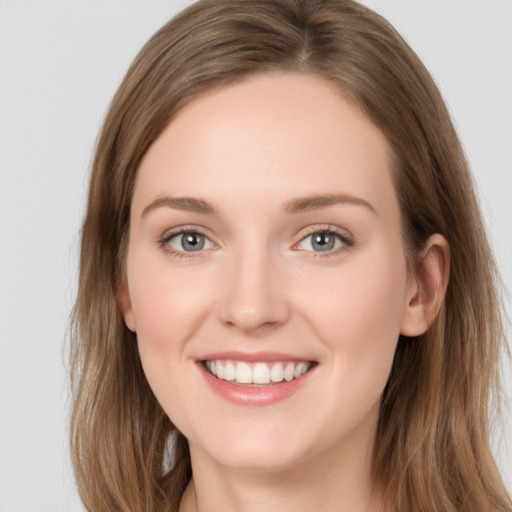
<point>345,239</point>
<point>164,242</point>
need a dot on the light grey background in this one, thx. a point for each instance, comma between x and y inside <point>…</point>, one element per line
<point>60,62</point>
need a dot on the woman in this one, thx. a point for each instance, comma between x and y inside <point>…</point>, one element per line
<point>274,306</point>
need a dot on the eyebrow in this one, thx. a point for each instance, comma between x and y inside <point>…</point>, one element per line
<point>316,202</point>
<point>297,205</point>
<point>189,204</point>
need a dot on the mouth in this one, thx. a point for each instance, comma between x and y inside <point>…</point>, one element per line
<point>257,373</point>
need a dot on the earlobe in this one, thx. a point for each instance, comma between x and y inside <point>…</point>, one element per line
<point>427,287</point>
<point>125,306</point>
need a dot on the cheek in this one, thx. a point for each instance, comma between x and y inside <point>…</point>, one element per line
<point>167,305</point>
<point>358,315</point>
<point>168,309</point>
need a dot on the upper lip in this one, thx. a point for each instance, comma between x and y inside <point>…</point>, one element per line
<point>252,357</point>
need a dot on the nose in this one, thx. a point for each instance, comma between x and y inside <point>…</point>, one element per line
<point>254,296</point>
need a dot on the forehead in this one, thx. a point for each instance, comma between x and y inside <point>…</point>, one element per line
<point>291,132</point>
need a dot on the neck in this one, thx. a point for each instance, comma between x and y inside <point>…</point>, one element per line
<point>338,480</point>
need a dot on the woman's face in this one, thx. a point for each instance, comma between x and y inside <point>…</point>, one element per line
<point>265,241</point>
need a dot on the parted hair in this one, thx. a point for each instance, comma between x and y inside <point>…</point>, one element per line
<point>432,450</point>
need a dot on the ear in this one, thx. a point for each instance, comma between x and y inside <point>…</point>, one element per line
<point>125,306</point>
<point>427,286</point>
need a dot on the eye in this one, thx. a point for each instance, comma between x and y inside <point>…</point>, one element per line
<point>322,241</point>
<point>189,241</point>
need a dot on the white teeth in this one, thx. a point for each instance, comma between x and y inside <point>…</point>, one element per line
<point>289,371</point>
<point>243,373</point>
<point>258,373</point>
<point>277,373</point>
<point>300,369</point>
<point>229,371</point>
<point>261,374</point>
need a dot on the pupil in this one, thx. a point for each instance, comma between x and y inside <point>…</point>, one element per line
<point>323,242</point>
<point>193,242</point>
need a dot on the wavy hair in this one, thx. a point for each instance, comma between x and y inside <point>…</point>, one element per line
<point>432,449</point>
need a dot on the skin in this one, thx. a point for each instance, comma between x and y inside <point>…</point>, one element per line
<point>248,150</point>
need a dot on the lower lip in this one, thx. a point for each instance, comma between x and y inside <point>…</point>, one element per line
<point>252,395</point>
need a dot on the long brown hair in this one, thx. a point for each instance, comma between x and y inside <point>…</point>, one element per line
<point>432,448</point>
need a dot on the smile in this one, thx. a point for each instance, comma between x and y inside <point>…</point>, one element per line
<point>258,379</point>
<point>257,373</point>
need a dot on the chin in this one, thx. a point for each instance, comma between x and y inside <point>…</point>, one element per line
<point>255,453</point>
<point>258,460</point>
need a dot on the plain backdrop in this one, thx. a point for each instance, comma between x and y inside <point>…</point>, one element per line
<point>60,63</point>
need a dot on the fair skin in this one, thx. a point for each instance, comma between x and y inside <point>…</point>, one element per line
<point>292,254</point>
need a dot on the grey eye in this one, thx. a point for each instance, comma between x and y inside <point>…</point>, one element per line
<point>189,242</point>
<point>321,241</point>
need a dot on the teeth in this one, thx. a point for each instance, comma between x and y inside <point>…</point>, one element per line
<point>289,371</point>
<point>277,373</point>
<point>257,373</point>
<point>261,374</point>
<point>229,371</point>
<point>300,369</point>
<point>243,373</point>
